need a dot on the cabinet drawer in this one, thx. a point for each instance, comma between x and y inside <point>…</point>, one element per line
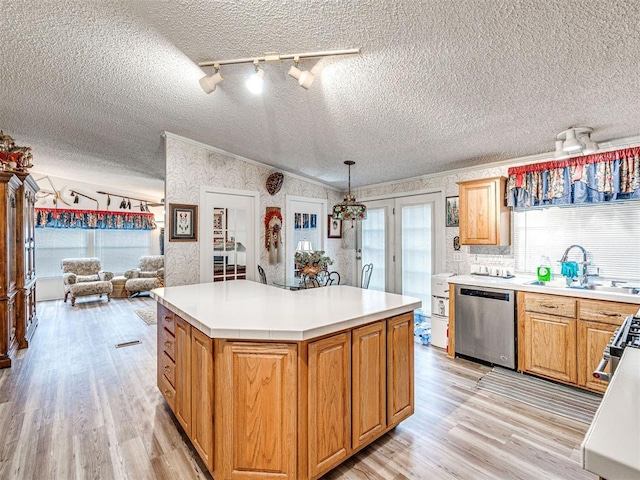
<point>166,343</point>
<point>601,311</point>
<point>168,368</point>
<point>168,392</point>
<point>166,319</point>
<point>550,304</point>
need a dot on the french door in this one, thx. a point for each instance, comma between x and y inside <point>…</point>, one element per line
<point>228,234</point>
<point>404,239</point>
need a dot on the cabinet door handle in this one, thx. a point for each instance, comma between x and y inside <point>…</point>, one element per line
<point>609,314</point>
<point>168,319</point>
<point>168,344</point>
<point>546,305</point>
<point>167,393</point>
<point>167,368</point>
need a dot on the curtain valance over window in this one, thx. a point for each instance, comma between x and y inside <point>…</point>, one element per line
<point>94,219</point>
<point>600,177</point>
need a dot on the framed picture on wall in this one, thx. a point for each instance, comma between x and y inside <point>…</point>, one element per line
<point>453,212</point>
<point>183,222</point>
<point>334,227</point>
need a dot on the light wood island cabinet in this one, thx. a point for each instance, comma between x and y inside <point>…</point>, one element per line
<point>484,216</point>
<point>292,409</point>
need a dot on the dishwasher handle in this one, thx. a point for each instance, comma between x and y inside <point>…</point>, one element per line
<point>472,292</point>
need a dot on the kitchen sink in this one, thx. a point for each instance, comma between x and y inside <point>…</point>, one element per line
<point>592,286</point>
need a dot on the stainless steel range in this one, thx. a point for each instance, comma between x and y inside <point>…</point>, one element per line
<point>627,335</point>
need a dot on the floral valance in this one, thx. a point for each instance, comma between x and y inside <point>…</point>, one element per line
<point>93,219</point>
<point>600,177</point>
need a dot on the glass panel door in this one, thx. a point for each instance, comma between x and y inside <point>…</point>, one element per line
<point>228,248</point>
<point>375,234</point>
<point>401,237</point>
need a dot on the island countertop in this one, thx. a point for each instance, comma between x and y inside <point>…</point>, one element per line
<point>253,311</point>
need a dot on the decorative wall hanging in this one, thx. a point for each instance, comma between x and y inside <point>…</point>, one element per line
<point>184,222</point>
<point>93,219</point>
<point>273,234</point>
<point>452,212</point>
<point>601,177</point>
<point>274,182</point>
<point>12,156</point>
<point>334,227</point>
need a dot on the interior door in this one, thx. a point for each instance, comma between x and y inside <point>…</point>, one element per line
<point>403,238</point>
<point>228,247</point>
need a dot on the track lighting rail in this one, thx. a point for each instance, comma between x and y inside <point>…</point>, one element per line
<point>268,57</point>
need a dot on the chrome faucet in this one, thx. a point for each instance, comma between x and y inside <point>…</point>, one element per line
<point>583,278</point>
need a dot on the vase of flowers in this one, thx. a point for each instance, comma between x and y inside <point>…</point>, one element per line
<point>312,262</point>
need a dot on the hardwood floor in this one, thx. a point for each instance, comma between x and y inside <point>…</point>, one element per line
<point>75,406</point>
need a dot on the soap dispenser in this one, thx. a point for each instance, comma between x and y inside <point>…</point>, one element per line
<point>544,270</point>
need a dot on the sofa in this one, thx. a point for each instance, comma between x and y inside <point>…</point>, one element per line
<point>148,275</point>
<point>83,277</point>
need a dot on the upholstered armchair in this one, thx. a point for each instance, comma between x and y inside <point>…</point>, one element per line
<point>148,275</point>
<point>84,276</point>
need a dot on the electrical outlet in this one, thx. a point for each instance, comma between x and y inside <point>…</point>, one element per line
<point>457,256</point>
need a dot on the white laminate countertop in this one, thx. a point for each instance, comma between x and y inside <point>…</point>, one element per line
<point>249,310</point>
<point>611,447</point>
<point>557,287</point>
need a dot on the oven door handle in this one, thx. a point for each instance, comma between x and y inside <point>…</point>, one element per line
<point>599,372</point>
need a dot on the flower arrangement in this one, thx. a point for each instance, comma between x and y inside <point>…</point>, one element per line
<point>317,259</point>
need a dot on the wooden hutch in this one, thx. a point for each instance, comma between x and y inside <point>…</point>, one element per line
<point>18,318</point>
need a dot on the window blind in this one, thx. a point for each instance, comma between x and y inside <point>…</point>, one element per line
<point>609,232</point>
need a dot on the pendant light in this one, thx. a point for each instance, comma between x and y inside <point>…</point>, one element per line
<point>349,208</point>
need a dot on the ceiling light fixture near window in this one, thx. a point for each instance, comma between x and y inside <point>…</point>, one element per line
<point>210,83</point>
<point>574,141</point>
<point>305,77</point>
<point>349,208</point>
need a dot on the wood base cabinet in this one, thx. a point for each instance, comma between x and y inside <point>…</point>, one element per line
<point>563,338</point>
<point>598,320</point>
<point>285,410</point>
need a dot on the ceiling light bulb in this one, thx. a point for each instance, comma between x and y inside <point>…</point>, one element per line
<point>294,72</point>
<point>209,83</point>
<point>306,79</point>
<point>589,145</point>
<point>256,82</point>
<point>571,144</point>
<point>560,153</point>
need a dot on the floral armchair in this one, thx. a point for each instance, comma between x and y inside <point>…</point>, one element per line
<point>148,275</point>
<point>84,276</point>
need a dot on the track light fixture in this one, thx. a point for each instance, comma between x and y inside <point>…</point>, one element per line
<point>256,81</point>
<point>574,141</point>
<point>210,83</point>
<point>305,78</point>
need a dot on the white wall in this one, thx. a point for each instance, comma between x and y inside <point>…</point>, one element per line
<point>190,165</point>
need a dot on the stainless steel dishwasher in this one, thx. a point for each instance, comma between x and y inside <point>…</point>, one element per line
<point>485,324</point>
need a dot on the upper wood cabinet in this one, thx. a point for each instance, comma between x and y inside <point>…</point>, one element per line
<point>484,216</point>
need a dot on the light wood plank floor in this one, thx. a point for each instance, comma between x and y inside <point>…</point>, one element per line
<point>75,407</point>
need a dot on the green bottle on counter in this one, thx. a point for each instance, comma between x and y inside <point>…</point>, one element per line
<point>544,270</point>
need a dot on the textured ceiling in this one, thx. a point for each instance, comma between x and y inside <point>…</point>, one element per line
<point>440,84</point>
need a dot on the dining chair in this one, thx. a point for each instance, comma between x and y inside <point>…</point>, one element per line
<point>366,275</point>
<point>308,281</point>
<point>263,276</point>
<point>333,278</point>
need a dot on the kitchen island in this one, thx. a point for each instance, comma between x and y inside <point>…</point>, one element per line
<point>270,383</point>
